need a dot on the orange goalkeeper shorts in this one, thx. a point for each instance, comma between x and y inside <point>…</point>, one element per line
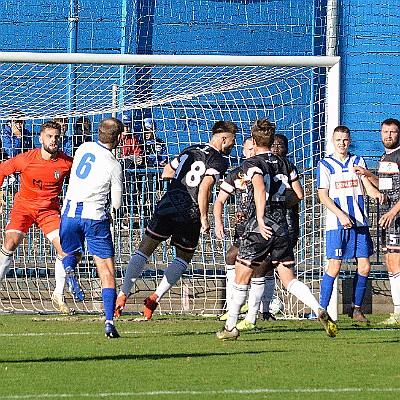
<point>22,217</point>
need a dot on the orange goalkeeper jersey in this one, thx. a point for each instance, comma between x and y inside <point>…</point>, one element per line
<point>41,180</point>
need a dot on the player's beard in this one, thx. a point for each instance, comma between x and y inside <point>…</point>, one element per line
<point>50,150</point>
<point>390,144</point>
<point>227,150</point>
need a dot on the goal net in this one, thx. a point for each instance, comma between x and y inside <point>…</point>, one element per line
<point>185,96</point>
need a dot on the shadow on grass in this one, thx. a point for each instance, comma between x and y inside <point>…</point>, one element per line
<point>136,357</point>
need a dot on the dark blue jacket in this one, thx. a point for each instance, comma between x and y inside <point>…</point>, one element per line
<point>13,145</point>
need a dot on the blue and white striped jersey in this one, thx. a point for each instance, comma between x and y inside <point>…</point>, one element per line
<point>95,173</point>
<point>345,189</point>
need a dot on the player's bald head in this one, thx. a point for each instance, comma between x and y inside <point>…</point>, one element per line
<point>109,130</point>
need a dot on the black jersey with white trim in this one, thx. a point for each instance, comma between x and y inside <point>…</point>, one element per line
<point>278,174</point>
<point>191,166</point>
<point>389,178</point>
<point>235,184</point>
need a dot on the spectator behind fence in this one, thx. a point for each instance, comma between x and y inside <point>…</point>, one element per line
<point>153,148</point>
<point>130,158</point>
<point>129,149</point>
<point>15,138</point>
<point>66,142</point>
<point>82,132</point>
<point>153,155</point>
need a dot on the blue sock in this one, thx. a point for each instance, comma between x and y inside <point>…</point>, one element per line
<point>325,291</point>
<point>109,296</point>
<point>70,262</point>
<point>359,289</point>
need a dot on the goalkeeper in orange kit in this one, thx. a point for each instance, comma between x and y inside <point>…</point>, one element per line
<point>42,173</point>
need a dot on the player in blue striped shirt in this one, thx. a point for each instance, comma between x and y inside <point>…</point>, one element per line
<point>342,191</point>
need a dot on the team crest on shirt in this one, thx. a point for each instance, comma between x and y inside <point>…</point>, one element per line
<point>57,174</point>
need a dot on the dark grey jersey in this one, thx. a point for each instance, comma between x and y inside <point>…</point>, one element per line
<point>191,166</point>
<point>389,178</point>
<point>277,173</point>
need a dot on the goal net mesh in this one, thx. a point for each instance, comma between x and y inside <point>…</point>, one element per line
<point>184,102</point>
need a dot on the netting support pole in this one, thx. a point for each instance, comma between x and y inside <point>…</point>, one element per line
<point>114,100</point>
<point>72,48</point>
<point>332,115</point>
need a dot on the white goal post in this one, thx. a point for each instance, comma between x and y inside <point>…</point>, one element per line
<point>185,95</point>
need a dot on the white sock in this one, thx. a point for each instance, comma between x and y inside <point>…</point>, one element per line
<point>171,275</point>
<point>255,295</point>
<point>304,294</point>
<point>269,290</point>
<point>60,276</point>
<point>230,279</point>
<point>5,261</point>
<point>239,294</point>
<point>133,271</point>
<point>395,291</point>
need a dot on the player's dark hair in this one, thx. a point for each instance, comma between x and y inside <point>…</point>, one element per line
<point>50,125</point>
<point>263,132</point>
<point>109,130</point>
<point>391,121</point>
<point>224,126</point>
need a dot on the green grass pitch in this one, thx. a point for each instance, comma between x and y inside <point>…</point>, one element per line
<point>173,357</point>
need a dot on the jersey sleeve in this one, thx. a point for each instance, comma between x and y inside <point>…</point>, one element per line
<point>11,166</point>
<point>323,175</point>
<point>294,174</point>
<point>360,162</point>
<point>228,184</point>
<point>250,168</point>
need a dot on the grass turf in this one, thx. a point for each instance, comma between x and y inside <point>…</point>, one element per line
<point>180,358</point>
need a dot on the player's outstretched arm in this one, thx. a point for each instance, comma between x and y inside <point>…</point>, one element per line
<point>372,191</point>
<point>204,199</point>
<point>218,212</point>
<point>368,174</point>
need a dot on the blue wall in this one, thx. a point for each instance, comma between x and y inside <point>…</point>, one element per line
<point>368,40</point>
<point>369,45</point>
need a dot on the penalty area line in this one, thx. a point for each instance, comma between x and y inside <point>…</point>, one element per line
<point>199,392</point>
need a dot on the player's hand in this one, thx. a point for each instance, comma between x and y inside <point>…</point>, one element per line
<point>1,207</point>
<point>219,230</point>
<point>346,222</point>
<point>240,217</point>
<point>359,170</point>
<point>205,226</point>
<point>266,231</point>
<point>386,219</point>
<point>382,198</point>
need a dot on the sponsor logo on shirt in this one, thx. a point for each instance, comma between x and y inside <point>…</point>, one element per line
<point>346,184</point>
<point>57,174</point>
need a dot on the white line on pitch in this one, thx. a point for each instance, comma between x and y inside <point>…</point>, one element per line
<point>199,392</point>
